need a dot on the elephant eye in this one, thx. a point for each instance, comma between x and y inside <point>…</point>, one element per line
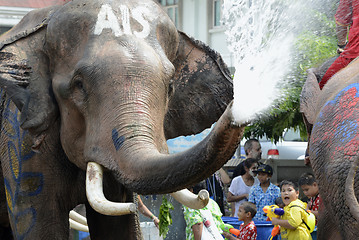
<point>78,84</point>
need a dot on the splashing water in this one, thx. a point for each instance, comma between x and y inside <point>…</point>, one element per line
<point>260,35</point>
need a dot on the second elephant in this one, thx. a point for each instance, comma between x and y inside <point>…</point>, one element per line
<point>332,116</point>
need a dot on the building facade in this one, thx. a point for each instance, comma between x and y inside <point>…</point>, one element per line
<point>200,19</point>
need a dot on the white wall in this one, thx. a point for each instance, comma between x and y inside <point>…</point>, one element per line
<point>10,16</point>
<point>196,20</point>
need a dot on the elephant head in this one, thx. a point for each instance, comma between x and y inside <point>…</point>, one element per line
<point>122,80</point>
<point>331,116</point>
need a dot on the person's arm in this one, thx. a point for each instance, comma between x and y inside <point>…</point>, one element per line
<point>342,32</point>
<point>233,198</point>
<point>229,236</point>
<point>283,223</point>
<point>343,19</point>
<point>224,176</point>
<point>197,231</point>
<point>146,212</point>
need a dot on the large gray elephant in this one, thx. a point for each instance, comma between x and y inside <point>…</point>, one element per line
<point>332,116</point>
<point>98,85</point>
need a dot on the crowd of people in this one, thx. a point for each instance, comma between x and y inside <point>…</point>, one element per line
<point>250,190</point>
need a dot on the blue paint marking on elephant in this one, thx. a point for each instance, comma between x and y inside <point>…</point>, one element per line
<point>117,140</point>
<point>347,130</point>
<point>18,219</point>
<point>37,179</point>
<point>339,95</point>
<point>344,120</point>
<point>19,151</point>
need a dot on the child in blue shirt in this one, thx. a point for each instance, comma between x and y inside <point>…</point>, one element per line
<point>265,193</point>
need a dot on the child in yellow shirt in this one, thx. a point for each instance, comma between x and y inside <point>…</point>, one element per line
<point>292,223</point>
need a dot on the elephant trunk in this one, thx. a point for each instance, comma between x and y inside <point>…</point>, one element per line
<point>143,169</point>
<point>146,171</point>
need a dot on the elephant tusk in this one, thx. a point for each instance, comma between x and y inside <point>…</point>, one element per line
<point>78,226</point>
<point>78,217</point>
<point>191,200</point>
<point>96,198</point>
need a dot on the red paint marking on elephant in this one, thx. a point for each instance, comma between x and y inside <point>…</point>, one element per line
<point>351,148</point>
<point>338,113</point>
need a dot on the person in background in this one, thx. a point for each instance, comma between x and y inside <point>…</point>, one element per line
<point>265,193</point>
<point>247,230</point>
<point>241,185</point>
<point>215,186</point>
<point>347,20</point>
<point>292,223</point>
<point>194,218</point>
<point>310,189</point>
<point>252,149</point>
<point>146,212</point>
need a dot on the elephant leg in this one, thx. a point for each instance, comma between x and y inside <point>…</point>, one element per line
<point>337,200</point>
<point>5,229</point>
<point>40,191</point>
<point>336,212</point>
<point>327,230</point>
<point>35,211</point>
<point>112,227</point>
<point>39,205</point>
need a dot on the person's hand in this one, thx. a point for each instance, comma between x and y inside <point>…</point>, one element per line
<point>156,221</point>
<point>228,235</point>
<point>340,48</point>
<point>309,205</point>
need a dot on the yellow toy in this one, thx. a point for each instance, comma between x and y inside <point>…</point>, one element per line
<point>273,211</point>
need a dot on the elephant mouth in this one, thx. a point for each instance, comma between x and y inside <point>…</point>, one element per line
<point>97,200</point>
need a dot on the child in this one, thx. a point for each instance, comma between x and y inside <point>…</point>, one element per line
<point>292,223</point>
<point>248,230</point>
<point>265,193</point>
<point>310,189</point>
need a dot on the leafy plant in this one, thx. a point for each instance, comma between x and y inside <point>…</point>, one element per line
<point>165,217</point>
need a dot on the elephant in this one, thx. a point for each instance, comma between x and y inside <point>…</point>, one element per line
<point>90,92</point>
<point>331,118</point>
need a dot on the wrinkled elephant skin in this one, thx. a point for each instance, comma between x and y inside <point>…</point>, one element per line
<point>105,82</point>
<point>332,120</point>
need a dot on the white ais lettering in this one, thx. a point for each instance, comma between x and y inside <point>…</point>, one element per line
<point>106,19</point>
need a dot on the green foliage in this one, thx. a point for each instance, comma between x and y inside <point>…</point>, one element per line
<point>313,46</point>
<point>165,217</point>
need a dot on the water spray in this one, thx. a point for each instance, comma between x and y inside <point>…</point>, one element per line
<point>260,35</point>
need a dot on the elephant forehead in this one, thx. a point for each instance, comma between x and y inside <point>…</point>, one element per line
<point>79,21</point>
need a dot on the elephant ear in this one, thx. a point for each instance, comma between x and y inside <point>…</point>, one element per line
<point>201,89</point>
<point>309,96</point>
<point>25,74</point>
